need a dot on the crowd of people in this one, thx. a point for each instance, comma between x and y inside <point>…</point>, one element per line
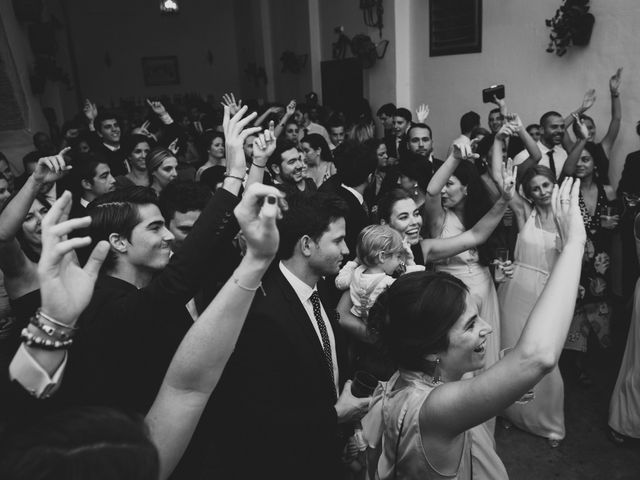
<point>199,292</point>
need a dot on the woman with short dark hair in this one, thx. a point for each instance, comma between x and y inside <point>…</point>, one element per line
<point>431,326</point>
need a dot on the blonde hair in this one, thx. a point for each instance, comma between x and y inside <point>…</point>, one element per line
<point>375,239</point>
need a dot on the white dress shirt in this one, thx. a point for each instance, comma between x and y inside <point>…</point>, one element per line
<point>559,157</point>
<point>304,292</point>
<point>355,193</point>
<point>27,372</point>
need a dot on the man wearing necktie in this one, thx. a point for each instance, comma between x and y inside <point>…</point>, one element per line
<point>280,406</point>
<point>550,143</point>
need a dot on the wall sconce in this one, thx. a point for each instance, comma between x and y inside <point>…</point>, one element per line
<point>169,7</point>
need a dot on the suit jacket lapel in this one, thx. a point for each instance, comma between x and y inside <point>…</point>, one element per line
<point>295,321</point>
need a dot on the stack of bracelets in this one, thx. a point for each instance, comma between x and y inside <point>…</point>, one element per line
<point>55,335</point>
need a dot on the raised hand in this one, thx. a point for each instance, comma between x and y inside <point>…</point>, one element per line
<point>588,100</point>
<point>257,213</point>
<point>582,132</point>
<point>51,169</point>
<point>500,103</point>
<point>173,147</point>
<point>422,112</point>
<point>157,107</point>
<point>614,82</point>
<point>506,130</point>
<point>235,134</point>
<point>291,108</point>
<point>513,119</point>
<point>509,175</point>
<point>566,210</point>
<point>65,287</point>
<point>265,143</point>
<point>143,130</point>
<point>90,110</point>
<point>464,151</point>
<point>229,100</point>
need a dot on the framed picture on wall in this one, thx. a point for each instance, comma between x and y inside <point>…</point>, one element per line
<point>160,71</point>
<point>455,26</point>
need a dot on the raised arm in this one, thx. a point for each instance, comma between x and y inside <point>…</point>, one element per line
<point>271,110</point>
<point>436,248</point>
<point>288,113</point>
<point>432,205</point>
<point>587,102</point>
<point>13,262</point>
<point>65,288</point>
<point>460,405</point>
<point>203,353</point>
<point>529,143</point>
<point>570,163</point>
<point>616,113</point>
<point>263,147</point>
<point>518,204</point>
<point>422,112</point>
<point>202,251</point>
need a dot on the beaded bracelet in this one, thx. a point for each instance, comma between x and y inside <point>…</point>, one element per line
<point>50,331</point>
<point>35,341</point>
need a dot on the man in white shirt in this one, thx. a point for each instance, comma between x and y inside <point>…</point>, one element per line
<point>307,125</point>
<point>550,143</point>
<point>468,122</point>
<point>281,383</point>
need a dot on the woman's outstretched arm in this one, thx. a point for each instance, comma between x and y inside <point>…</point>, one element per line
<point>459,405</point>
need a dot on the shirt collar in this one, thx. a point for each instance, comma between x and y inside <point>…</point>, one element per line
<point>84,202</point>
<point>355,193</point>
<point>544,149</point>
<point>113,149</point>
<point>303,291</point>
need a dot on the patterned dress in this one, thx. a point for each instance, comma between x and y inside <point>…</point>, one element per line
<point>592,307</point>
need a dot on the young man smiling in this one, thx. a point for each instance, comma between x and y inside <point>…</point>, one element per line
<point>137,315</point>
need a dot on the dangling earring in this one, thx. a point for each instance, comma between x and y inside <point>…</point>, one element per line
<point>436,371</point>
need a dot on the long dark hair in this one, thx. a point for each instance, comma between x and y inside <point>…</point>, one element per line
<point>477,203</point>
<point>317,141</point>
<point>412,318</point>
<point>25,246</point>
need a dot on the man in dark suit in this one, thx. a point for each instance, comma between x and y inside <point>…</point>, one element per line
<point>398,143</point>
<point>356,164</point>
<point>276,412</point>
<point>91,178</point>
<point>420,141</point>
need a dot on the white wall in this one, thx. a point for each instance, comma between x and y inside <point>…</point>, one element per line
<point>514,39</point>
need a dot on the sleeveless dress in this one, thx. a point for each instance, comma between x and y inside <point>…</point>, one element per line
<point>466,266</point>
<point>593,311</point>
<point>624,408</point>
<point>403,454</point>
<point>535,256</point>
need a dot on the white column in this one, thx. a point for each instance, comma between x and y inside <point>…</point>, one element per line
<point>402,12</point>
